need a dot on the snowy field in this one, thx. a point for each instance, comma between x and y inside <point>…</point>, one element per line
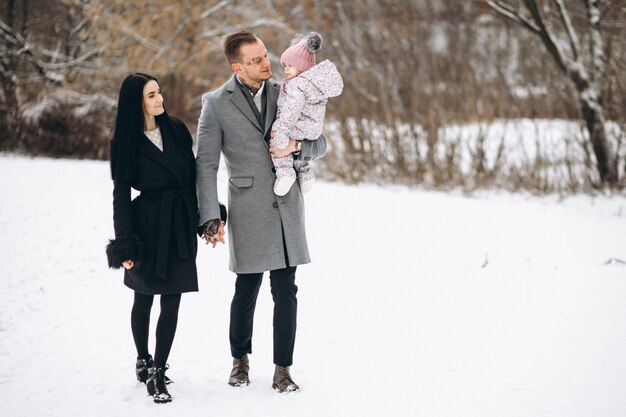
<point>417,303</point>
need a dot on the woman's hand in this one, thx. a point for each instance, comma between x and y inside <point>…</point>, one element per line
<point>213,232</point>
<point>219,236</point>
<point>214,237</point>
<point>128,264</point>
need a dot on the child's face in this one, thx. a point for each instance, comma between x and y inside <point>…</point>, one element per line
<point>290,71</point>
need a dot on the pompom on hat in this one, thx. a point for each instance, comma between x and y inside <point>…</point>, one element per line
<point>301,54</point>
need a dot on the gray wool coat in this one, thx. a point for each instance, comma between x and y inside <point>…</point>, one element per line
<point>258,220</point>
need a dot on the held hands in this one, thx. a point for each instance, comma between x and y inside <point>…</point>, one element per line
<point>214,232</point>
<point>279,153</point>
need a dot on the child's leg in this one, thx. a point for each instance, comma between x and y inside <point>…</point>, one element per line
<point>285,174</point>
<point>306,177</point>
<point>280,141</point>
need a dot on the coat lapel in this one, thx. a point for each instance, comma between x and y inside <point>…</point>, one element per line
<point>272,91</point>
<point>236,96</point>
<point>150,149</point>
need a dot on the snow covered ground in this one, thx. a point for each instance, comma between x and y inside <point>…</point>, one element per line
<point>417,303</point>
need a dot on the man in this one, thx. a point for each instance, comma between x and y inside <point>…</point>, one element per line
<point>267,232</point>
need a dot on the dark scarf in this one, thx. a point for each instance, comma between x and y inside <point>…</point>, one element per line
<point>248,93</point>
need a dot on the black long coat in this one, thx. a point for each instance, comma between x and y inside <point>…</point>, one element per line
<point>157,229</point>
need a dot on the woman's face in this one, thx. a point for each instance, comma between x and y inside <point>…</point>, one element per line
<point>152,99</point>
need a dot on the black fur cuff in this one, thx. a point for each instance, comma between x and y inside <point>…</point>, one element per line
<point>122,249</point>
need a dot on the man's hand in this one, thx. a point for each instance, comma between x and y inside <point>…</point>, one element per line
<point>219,237</point>
<point>278,153</point>
<point>214,232</point>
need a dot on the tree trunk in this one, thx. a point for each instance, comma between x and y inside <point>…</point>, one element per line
<point>594,118</point>
<point>586,77</point>
<point>9,108</point>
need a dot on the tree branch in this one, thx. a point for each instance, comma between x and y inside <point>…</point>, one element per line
<point>69,63</point>
<point>513,14</point>
<point>34,53</point>
<point>546,37</point>
<point>535,25</point>
<point>78,27</point>
<point>571,33</point>
<point>13,38</point>
<point>214,8</point>
<point>182,24</point>
<point>147,42</point>
<point>595,40</point>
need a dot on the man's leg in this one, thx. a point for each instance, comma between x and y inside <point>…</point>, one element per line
<point>242,313</point>
<point>241,320</point>
<point>284,290</point>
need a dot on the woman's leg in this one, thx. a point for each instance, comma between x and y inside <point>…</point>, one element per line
<point>140,323</point>
<point>166,328</point>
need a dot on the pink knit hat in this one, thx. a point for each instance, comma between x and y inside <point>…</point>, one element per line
<point>301,54</point>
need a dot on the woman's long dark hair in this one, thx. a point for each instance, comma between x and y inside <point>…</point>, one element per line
<point>129,125</point>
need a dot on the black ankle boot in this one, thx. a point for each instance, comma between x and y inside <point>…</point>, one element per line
<point>141,368</point>
<point>156,385</point>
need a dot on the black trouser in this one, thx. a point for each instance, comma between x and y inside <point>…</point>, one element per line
<point>166,326</point>
<point>284,290</point>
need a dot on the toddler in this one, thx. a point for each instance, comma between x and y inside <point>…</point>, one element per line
<point>301,107</point>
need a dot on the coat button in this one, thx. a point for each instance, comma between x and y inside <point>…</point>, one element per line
<point>275,204</point>
<point>273,170</point>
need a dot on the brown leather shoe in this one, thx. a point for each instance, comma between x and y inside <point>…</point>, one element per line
<point>282,380</point>
<point>239,374</point>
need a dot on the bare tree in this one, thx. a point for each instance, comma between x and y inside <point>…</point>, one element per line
<point>411,69</point>
<point>582,62</point>
<point>35,52</point>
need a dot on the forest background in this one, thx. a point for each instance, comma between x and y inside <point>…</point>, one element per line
<point>527,94</point>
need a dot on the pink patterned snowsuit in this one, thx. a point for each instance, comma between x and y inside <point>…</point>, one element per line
<point>301,108</point>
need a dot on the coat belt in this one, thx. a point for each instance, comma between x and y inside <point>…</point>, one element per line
<point>183,236</point>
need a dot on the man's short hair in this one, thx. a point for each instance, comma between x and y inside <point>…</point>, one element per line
<point>233,43</point>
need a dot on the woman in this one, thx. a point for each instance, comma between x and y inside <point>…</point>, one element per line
<point>155,238</point>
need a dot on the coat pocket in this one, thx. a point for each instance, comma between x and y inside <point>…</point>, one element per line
<point>242,182</point>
